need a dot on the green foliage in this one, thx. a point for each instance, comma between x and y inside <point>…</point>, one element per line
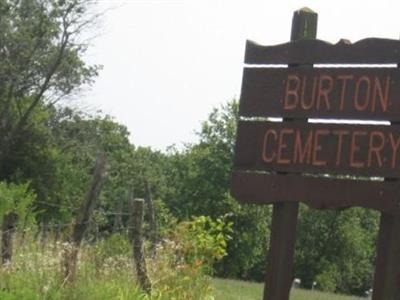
<point>247,250</point>
<point>185,258</point>
<point>164,218</point>
<point>40,64</point>
<point>17,199</point>
<point>54,148</point>
<point>80,138</point>
<point>202,240</point>
<point>336,249</point>
<point>114,246</point>
<point>32,157</point>
<point>328,278</point>
<point>41,53</point>
<point>201,177</point>
<point>36,274</point>
<point>106,269</point>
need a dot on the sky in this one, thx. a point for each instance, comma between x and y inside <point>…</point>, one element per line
<point>168,63</point>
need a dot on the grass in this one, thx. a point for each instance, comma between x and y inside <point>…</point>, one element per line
<point>105,272</point>
<point>226,289</point>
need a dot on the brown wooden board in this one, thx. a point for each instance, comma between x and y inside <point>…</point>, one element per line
<point>346,93</point>
<point>367,51</point>
<point>317,192</point>
<point>360,150</point>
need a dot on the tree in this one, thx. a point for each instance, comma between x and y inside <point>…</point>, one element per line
<point>77,139</point>
<point>336,249</point>
<point>41,50</point>
<point>201,176</point>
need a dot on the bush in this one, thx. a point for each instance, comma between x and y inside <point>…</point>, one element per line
<point>185,258</point>
<point>18,199</point>
<point>202,240</point>
<point>326,281</point>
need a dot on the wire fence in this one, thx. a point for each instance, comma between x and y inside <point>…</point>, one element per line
<point>77,209</point>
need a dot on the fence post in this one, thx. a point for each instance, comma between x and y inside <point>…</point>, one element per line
<point>284,218</point>
<point>129,224</point>
<point>83,218</point>
<point>44,232</point>
<point>8,228</point>
<point>57,232</point>
<point>152,218</point>
<point>137,207</point>
<point>118,215</point>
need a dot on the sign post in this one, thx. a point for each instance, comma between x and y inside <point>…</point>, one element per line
<point>284,217</point>
<point>325,164</point>
<point>387,270</point>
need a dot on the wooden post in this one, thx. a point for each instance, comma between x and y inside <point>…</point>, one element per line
<point>83,218</point>
<point>43,237</point>
<point>284,217</point>
<point>130,217</point>
<point>118,216</point>
<point>152,218</point>
<point>387,264</point>
<point>8,228</point>
<point>386,284</point>
<point>57,233</point>
<point>137,208</point>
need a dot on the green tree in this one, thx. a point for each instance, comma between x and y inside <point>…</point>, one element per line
<point>336,249</point>
<point>41,63</point>
<point>78,138</point>
<point>16,199</point>
<point>201,177</point>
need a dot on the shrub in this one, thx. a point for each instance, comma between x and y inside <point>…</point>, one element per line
<point>185,258</point>
<point>18,199</point>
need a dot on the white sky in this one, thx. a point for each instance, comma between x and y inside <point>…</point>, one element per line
<point>167,63</point>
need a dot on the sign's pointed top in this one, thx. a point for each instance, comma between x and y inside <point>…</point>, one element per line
<point>306,10</point>
<point>304,25</point>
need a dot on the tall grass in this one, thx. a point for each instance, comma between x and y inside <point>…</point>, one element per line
<point>105,272</point>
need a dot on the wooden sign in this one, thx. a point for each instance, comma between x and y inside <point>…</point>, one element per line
<point>297,93</point>
<point>342,149</point>
<point>346,93</point>
<point>317,192</point>
<point>307,50</point>
<point>327,149</point>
